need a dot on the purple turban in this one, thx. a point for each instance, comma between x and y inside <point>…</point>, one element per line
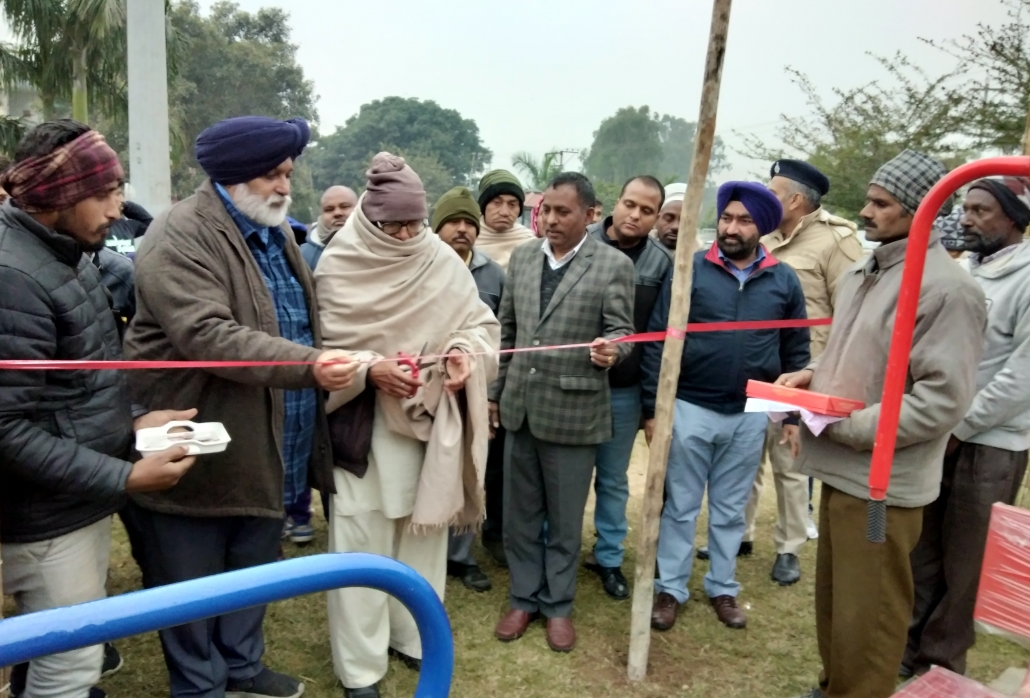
<point>243,148</point>
<point>765,209</point>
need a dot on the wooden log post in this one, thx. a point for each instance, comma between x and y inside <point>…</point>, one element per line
<point>1026,133</point>
<point>704,138</point>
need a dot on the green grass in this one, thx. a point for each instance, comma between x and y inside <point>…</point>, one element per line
<point>775,657</point>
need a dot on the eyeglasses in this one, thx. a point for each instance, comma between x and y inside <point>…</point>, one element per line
<point>414,227</point>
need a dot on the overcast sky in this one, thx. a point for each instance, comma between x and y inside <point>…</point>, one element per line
<point>538,75</point>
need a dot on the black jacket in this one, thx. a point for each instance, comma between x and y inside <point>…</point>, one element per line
<point>716,366</point>
<point>118,276</point>
<point>64,435</point>
<point>652,263</point>
<point>489,278</point>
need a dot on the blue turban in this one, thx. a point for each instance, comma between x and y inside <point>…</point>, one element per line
<point>765,209</point>
<point>243,148</point>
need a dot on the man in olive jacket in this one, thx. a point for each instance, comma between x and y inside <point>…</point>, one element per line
<point>556,405</point>
<point>220,279</point>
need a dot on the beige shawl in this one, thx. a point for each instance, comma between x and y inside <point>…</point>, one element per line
<point>379,296</point>
<point>499,246</point>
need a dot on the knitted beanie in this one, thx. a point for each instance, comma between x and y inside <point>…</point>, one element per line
<point>497,182</point>
<point>455,204</point>
<point>394,192</point>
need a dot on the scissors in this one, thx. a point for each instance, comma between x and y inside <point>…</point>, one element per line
<point>416,363</point>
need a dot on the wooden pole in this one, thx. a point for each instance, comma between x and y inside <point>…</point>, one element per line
<point>704,137</point>
<point>1026,134</point>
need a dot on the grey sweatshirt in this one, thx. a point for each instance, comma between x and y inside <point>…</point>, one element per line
<point>1000,414</point>
<point>946,350</point>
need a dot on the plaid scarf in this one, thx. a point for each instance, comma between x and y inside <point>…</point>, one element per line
<point>71,173</point>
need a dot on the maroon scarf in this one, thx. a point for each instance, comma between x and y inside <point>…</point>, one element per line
<point>85,167</point>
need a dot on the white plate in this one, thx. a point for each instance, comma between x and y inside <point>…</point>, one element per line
<point>199,439</point>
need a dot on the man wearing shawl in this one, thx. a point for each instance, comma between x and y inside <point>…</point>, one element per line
<point>65,436</point>
<point>220,278</point>
<point>987,453</point>
<point>501,199</point>
<point>716,445</point>
<point>863,590</point>
<point>410,450</point>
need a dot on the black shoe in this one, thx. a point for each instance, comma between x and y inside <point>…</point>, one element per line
<point>367,692</point>
<point>475,579</point>
<point>410,662</point>
<point>97,693</point>
<point>746,548</point>
<point>906,672</point>
<point>613,581</point>
<point>113,661</point>
<point>267,684</point>
<point>786,570</point>
<point>496,550</point>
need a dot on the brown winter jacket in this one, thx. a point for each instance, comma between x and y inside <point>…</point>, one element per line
<point>201,297</point>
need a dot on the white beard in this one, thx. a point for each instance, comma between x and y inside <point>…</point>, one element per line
<point>270,212</point>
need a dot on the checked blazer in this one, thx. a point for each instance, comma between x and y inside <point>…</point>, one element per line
<point>563,396</point>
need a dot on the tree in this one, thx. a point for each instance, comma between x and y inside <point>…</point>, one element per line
<point>538,172</point>
<point>411,126</point>
<point>235,63</point>
<point>677,138</point>
<point>626,144</point>
<point>63,47</point>
<point>996,64</point>
<point>865,127</point>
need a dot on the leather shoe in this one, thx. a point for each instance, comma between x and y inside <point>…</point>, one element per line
<point>367,692</point>
<point>746,548</point>
<point>496,550</point>
<point>786,570</point>
<point>561,634</point>
<point>728,612</point>
<point>664,612</point>
<point>612,579</point>
<point>513,625</point>
<point>408,661</point>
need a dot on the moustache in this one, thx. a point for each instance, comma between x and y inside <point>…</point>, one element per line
<point>868,223</point>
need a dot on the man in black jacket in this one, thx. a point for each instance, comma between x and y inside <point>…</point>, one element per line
<point>715,444</point>
<point>65,435</point>
<point>627,230</point>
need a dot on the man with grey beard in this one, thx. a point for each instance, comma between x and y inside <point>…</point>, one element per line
<point>219,278</point>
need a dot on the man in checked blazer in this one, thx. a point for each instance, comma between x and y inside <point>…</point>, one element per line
<point>555,405</point>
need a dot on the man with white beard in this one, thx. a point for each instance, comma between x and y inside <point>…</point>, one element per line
<point>218,278</point>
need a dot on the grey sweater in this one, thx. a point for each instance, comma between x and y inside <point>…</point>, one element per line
<point>1000,414</point>
<point>946,350</point>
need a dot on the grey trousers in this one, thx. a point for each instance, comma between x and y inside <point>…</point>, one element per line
<point>550,482</point>
<point>201,657</point>
<point>459,547</point>
<point>946,563</point>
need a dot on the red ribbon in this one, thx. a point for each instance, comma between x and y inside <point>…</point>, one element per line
<point>57,365</point>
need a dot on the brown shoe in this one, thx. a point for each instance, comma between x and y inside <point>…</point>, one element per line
<point>729,612</point>
<point>664,612</point>
<point>561,634</point>
<point>513,625</point>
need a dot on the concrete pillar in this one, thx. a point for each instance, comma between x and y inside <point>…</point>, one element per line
<point>149,147</point>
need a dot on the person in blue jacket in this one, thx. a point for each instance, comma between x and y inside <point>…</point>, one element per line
<point>716,445</point>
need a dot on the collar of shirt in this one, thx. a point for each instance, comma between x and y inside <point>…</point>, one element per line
<point>559,263</point>
<point>245,224</point>
<point>977,261</point>
<point>746,271</point>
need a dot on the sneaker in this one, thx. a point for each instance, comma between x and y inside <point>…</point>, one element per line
<point>113,661</point>
<point>811,528</point>
<point>267,684</point>
<point>287,528</point>
<point>302,534</point>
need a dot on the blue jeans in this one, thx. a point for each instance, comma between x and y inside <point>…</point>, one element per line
<point>611,484</point>
<point>722,452</point>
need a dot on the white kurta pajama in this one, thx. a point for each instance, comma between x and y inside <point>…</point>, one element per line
<point>379,296</point>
